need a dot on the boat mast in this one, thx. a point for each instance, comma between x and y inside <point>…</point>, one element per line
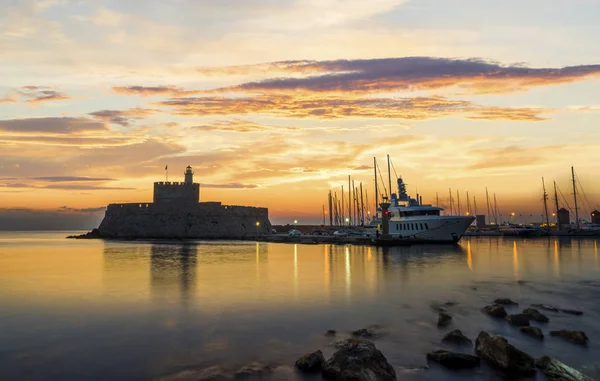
<point>376,189</point>
<point>389,177</point>
<point>487,197</point>
<point>450,193</point>
<point>323,214</point>
<point>362,206</point>
<point>343,209</point>
<point>330,211</point>
<point>468,204</point>
<point>349,201</point>
<point>353,203</point>
<point>458,201</point>
<point>474,205</point>
<point>556,205</point>
<point>495,210</point>
<point>437,200</point>
<point>546,205</point>
<point>575,197</point>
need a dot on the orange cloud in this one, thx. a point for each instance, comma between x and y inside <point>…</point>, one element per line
<point>123,117</point>
<point>151,91</point>
<point>332,107</point>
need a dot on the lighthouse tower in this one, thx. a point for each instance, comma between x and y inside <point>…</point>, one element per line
<point>189,175</point>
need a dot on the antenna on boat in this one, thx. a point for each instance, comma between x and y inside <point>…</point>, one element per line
<point>575,197</point>
<point>546,205</point>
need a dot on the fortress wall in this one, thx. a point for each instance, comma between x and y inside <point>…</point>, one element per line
<point>184,220</point>
<point>166,192</point>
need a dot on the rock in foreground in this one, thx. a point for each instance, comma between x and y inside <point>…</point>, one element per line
<point>457,337</point>
<point>372,331</point>
<point>444,319</point>
<point>454,360</point>
<point>518,320</point>
<point>557,371</point>
<point>252,370</point>
<point>311,362</point>
<point>213,373</point>
<point>358,360</point>
<point>532,331</point>
<point>575,337</point>
<point>498,352</point>
<point>505,302</point>
<point>495,310</point>
<point>536,315</point>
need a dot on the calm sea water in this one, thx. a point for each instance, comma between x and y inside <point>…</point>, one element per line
<point>95,310</point>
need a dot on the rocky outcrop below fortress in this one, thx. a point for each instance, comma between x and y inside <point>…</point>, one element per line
<point>209,220</point>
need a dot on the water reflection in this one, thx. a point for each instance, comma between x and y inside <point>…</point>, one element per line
<point>173,272</point>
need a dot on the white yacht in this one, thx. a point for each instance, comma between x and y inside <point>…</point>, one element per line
<point>411,219</point>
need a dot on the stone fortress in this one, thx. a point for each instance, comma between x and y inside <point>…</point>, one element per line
<point>176,212</point>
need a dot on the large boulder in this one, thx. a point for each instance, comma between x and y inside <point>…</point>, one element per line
<point>518,320</point>
<point>456,337</point>
<point>453,360</point>
<point>536,315</point>
<point>495,310</point>
<point>444,319</point>
<point>311,362</point>
<point>505,302</point>
<point>575,337</point>
<point>358,360</point>
<point>557,371</point>
<point>499,353</point>
<point>532,331</point>
<point>252,370</point>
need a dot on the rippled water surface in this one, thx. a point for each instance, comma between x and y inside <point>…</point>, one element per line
<point>96,310</point>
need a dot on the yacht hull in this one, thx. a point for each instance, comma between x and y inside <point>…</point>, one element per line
<point>431,229</point>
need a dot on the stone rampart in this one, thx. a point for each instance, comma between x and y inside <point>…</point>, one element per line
<point>169,192</point>
<point>199,220</point>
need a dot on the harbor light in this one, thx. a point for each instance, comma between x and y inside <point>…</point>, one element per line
<point>468,213</point>
<point>295,222</point>
<point>257,224</point>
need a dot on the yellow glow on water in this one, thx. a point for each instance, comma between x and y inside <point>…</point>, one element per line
<point>556,259</point>
<point>515,259</point>
<point>469,255</point>
<point>348,272</point>
<point>596,252</point>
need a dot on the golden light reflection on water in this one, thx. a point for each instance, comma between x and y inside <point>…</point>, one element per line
<point>217,274</point>
<point>515,260</point>
<point>469,255</point>
<point>556,260</point>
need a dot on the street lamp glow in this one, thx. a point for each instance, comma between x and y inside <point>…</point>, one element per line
<point>295,222</point>
<point>257,223</point>
<point>347,219</point>
<point>512,214</point>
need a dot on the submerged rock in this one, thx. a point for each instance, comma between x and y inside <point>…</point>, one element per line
<point>536,315</point>
<point>456,337</point>
<point>495,310</point>
<point>546,307</point>
<point>518,320</point>
<point>532,331</point>
<point>372,331</point>
<point>572,312</point>
<point>358,360</point>
<point>311,362</point>
<point>575,337</point>
<point>213,373</point>
<point>454,360</point>
<point>330,333</point>
<point>498,352</point>
<point>505,302</point>
<point>254,369</point>
<point>444,319</point>
<point>557,371</point>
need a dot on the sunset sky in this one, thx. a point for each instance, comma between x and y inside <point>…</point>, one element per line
<point>275,102</point>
